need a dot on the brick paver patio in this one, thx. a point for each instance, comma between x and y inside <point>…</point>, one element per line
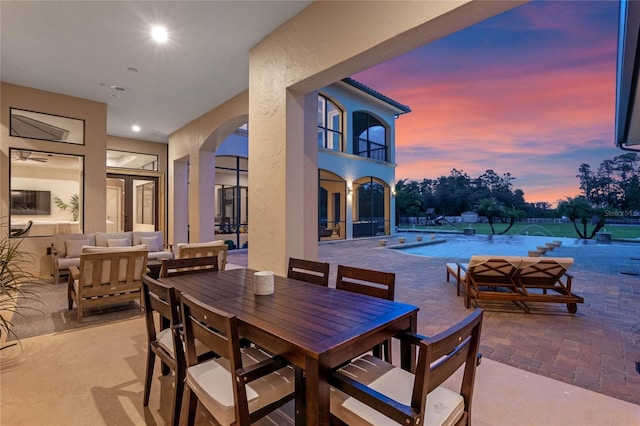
<point>592,349</point>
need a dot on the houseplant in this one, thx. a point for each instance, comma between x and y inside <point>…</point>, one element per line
<point>15,284</point>
<point>73,206</point>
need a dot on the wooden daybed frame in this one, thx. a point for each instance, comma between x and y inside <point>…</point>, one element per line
<point>516,279</point>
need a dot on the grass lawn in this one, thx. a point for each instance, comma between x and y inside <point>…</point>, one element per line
<point>548,229</point>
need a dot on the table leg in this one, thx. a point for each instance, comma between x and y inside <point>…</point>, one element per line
<point>317,393</point>
<point>407,354</point>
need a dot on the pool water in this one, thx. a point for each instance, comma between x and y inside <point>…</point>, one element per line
<point>464,246</point>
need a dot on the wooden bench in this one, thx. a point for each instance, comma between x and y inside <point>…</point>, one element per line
<point>516,279</point>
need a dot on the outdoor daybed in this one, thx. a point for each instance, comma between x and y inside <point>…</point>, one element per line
<point>516,279</point>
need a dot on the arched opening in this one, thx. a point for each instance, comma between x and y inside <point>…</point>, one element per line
<point>370,137</point>
<point>332,197</point>
<point>371,207</point>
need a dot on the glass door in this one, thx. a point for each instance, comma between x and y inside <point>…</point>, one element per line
<point>132,203</point>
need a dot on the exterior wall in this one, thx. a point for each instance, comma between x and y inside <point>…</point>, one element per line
<point>290,64</point>
<point>193,186</point>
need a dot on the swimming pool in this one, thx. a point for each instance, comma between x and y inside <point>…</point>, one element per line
<point>464,246</point>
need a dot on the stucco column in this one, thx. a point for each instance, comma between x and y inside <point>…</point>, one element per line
<point>201,196</point>
<point>283,180</point>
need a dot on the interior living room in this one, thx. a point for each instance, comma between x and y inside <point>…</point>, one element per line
<point>153,118</point>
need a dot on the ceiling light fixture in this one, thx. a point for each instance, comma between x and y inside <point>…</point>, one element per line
<point>135,128</point>
<point>159,34</point>
<point>132,69</point>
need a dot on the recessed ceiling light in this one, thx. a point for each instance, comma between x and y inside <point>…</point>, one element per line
<point>118,88</point>
<point>135,128</point>
<point>159,34</point>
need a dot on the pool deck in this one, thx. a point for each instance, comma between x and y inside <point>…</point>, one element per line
<point>592,349</point>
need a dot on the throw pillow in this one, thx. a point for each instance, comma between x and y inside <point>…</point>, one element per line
<point>151,243</point>
<point>119,242</point>
<point>74,247</point>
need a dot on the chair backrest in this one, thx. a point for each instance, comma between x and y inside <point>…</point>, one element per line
<point>366,281</point>
<point>212,248</point>
<point>218,331</point>
<point>120,267</point>
<point>171,267</point>
<point>309,271</point>
<point>160,298</point>
<point>440,356</point>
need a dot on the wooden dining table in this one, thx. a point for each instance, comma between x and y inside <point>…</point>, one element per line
<point>313,327</point>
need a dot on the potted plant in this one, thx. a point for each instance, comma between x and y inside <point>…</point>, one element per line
<point>14,285</point>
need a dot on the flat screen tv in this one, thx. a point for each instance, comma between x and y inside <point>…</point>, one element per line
<point>25,202</point>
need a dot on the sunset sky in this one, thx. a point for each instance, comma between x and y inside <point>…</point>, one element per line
<point>530,92</point>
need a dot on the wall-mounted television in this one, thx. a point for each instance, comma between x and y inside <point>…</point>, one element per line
<point>26,202</point>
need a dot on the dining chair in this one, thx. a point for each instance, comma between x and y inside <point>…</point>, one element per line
<point>171,267</point>
<point>211,248</point>
<point>241,386</point>
<point>163,339</point>
<point>372,283</point>
<point>309,271</point>
<point>371,391</point>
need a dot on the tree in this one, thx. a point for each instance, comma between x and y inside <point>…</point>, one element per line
<point>407,196</point>
<point>491,208</point>
<point>579,209</point>
<point>512,214</point>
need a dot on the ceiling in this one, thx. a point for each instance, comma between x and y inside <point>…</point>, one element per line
<point>83,48</point>
<point>628,107</point>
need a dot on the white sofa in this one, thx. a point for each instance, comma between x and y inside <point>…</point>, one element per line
<point>67,248</point>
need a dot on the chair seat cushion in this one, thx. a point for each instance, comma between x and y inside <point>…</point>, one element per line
<point>165,341</point>
<point>211,382</point>
<point>453,270</point>
<point>444,407</point>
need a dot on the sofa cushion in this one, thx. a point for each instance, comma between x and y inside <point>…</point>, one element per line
<point>59,242</point>
<point>151,243</point>
<point>102,237</point>
<point>118,242</point>
<point>73,248</point>
<point>160,255</point>
<point>137,235</point>
<point>66,262</point>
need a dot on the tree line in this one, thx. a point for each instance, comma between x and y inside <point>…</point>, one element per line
<point>614,186</point>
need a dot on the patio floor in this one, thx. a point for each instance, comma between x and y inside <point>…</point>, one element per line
<point>592,349</point>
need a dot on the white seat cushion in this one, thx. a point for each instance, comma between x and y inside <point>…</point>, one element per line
<point>453,270</point>
<point>444,407</point>
<point>211,382</point>
<point>165,341</point>
<point>160,255</point>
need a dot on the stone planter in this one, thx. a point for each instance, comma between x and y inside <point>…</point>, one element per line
<point>542,249</point>
<point>534,253</point>
<point>558,243</point>
<point>401,240</point>
<point>470,231</point>
<point>383,243</point>
<point>550,246</point>
<point>418,237</point>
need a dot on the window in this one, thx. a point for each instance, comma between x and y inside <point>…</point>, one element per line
<point>370,137</point>
<point>329,124</point>
<point>46,193</point>
<point>131,160</point>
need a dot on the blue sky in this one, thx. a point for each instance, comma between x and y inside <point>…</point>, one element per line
<point>530,92</point>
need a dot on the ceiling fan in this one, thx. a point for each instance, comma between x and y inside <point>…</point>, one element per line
<point>26,155</point>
